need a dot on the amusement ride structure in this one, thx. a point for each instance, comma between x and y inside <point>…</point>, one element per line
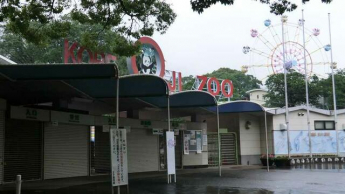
<point>267,50</point>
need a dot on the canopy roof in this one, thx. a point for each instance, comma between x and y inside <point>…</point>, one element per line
<point>32,84</point>
<point>35,84</point>
<point>183,100</point>
<point>57,71</point>
<point>238,107</point>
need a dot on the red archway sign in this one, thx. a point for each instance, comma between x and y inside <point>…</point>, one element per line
<point>150,41</point>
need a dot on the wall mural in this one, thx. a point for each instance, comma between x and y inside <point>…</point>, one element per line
<point>322,142</point>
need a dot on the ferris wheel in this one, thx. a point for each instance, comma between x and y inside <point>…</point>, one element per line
<point>271,44</point>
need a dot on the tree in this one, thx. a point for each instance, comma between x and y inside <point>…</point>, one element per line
<point>277,7</point>
<point>20,50</point>
<point>326,90</point>
<point>296,90</point>
<point>242,82</point>
<point>188,82</point>
<point>42,21</point>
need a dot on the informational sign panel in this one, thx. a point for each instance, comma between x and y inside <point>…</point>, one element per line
<point>186,138</point>
<point>204,140</point>
<point>322,142</point>
<point>192,141</point>
<point>171,152</point>
<point>29,114</point>
<point>72,118</point>
<point>118,149</point>
<point>198,142</point>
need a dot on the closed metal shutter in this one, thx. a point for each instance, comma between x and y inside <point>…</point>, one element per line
<point>23,150</point>
<point>142,151</point>
<point>66,151</point>
<point>2,128</point>
<point>228,149</point>
<point>102,151</point>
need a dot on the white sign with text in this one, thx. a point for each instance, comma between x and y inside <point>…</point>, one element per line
<point>171,152</point>
<point>119,166</point>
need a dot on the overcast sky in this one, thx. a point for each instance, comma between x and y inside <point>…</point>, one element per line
<point>196,44</point>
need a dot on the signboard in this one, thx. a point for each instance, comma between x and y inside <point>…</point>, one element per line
<point>72,118</point>
<point>192,141</point>
<point>145,123</point>
<point>118,149</point>
<point>170,138</point>
<point>225,88</point>
<point>157,131</point>
<point>29,114</point>
<point>74,54</point>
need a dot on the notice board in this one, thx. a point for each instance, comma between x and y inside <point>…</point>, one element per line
<point>192,141</point>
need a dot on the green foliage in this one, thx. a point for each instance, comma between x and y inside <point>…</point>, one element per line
<point>242,82</point>
<point>276,7</point>
<point>20,50</point>
<point>325,88</point>
<point>296,90</point>
<point>43,21</point>
<point>188,82</point>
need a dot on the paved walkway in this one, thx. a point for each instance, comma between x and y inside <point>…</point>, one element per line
<point>247,179</point>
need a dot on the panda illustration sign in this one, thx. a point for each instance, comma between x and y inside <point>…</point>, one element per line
<point>149,61</point>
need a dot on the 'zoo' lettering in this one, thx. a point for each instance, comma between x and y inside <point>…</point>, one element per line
<point>220,87</point>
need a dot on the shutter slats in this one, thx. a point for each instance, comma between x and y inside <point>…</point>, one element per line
<point>142,151</point>
<point>23,150</point>
<point>65,151</point>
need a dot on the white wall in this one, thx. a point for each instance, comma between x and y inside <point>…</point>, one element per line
<point>250,138</point>
<point>257,97</point>
<point>300,122</point>
<point>269,134</point>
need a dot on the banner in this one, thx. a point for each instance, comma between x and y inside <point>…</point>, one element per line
<point>118,146</point>
<point>186,143</point>
<point>171,152</point>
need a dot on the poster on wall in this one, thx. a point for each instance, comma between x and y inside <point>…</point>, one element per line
<point>118,146</point>
<point>198,142</point>
<point>194,140</point>
<point>204,140</point>
<point>186,143</point>
<point>170,137</point>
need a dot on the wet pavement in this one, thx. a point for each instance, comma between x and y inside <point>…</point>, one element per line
<point>206,181</point>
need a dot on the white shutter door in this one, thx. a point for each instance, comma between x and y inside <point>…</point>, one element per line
<point>2,145</point>
<point>142,151</point>
<point>66,151</point>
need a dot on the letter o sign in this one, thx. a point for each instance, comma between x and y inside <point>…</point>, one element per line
<point>227,94</point>
<point>209,86</point>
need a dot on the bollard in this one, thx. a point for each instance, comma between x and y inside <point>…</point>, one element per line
<point>18,184</point>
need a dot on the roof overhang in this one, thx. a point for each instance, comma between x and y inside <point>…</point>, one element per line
<point>238,107</point>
